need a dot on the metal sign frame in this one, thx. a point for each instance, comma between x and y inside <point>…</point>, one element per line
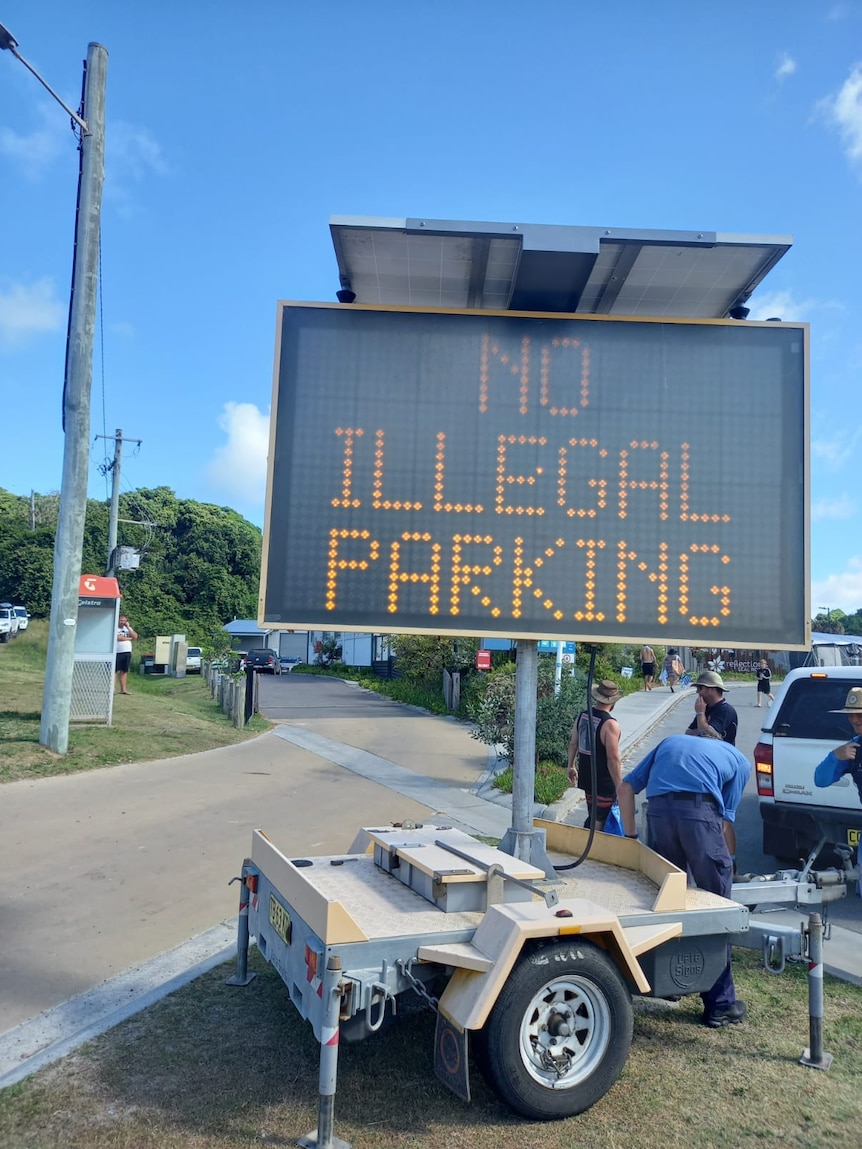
<point>665,462</point>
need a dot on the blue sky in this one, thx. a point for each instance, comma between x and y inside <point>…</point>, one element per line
<point>234,131</point>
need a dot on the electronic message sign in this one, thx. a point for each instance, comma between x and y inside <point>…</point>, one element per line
<point>538,476</point>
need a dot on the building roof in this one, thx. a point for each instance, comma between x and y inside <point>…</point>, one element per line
<point>550,267</point>
<point>244,626</point>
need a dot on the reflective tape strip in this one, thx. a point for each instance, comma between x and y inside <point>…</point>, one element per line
<point>815,969</point>
<point>329,1036</point>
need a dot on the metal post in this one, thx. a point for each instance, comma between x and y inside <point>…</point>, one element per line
<point>57,697</point>
<point>814,1056</point>
<point>323,1137</point>
<point>523,841</point>
<point>115,502</point>
<point>242,976</point>
<point>248,707</point>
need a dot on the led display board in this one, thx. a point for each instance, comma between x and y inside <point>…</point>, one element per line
<point>538,476</point>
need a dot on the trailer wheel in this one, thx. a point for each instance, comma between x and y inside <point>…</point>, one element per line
<point>560,1031</point>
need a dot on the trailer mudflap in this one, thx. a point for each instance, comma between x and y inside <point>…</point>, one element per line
<point>483,965</point>
<point>451,1060</point>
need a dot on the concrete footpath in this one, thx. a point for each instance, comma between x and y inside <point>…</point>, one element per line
<point>117,868</point>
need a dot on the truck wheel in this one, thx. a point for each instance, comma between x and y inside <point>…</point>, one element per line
<point>560,1031</point>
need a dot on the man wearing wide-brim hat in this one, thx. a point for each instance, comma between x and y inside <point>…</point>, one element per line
<point>711,708</point>
<point>845,759</point>
<point>604,695</point>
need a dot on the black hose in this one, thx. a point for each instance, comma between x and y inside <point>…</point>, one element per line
<point>591,736</point>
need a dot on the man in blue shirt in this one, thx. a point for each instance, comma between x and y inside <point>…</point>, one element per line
<point>693,786</point>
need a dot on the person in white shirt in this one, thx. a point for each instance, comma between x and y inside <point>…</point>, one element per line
<point>125,637</point>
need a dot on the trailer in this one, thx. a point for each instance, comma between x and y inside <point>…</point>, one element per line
<point>533,976</point>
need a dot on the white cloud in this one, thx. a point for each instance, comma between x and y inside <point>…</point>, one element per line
<point>783,305</point>
<point>131,155</point>
<point>844,112</point>
<point>29,310</point>
<point>786,66</point>
<point>132,151</point>
<point>841,508</point>
<point>840,591</point>
<point>238,467</point>
<point>838,450</point>
<point>34,152</point>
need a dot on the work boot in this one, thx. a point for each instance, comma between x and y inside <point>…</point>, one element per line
<point>731,1014</point>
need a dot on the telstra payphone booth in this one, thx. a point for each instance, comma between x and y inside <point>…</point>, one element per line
<point>95,645</point>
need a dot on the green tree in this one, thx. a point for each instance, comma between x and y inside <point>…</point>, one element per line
<point>200,563</point>
<point>424,657</point>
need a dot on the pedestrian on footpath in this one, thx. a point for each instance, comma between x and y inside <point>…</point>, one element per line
<point>125,637</point>
<point>605,695</point>
<point>648,666</point>
<point>693,788</point>
<point>764,682</point>
<point>673,668</point>
<point>711,708</point>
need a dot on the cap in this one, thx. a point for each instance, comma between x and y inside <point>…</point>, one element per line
<point>710,678</point>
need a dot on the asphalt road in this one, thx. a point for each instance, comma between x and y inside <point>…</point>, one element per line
<point>749,834</point>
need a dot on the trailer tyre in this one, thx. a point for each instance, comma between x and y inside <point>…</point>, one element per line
<point>560,1031</point>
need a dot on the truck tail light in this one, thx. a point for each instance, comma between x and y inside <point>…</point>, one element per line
<point>763,770</point>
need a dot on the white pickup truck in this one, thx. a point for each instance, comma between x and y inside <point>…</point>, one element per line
<point>8,621</point>
<point>801,727</point>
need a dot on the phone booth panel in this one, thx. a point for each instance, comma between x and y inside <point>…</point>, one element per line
<point>95,643</point>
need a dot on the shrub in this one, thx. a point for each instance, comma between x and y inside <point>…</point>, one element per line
<point>494,712</point>
<point>551,782</point>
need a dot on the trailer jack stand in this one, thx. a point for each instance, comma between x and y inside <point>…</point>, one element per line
<point>323,1137</point>
<point>813,1056</point>
<point>242,976</point>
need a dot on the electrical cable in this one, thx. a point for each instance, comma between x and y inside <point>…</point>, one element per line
<point>591,737</point>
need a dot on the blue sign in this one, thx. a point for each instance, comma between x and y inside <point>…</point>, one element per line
<point>547,647</point>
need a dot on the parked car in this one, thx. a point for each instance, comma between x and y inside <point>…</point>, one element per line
<point>23,617</point>
<point>193,660</point>
<point>265,661</point>
<point>8,621</point>
<point>288,661</point>
<point>801,727</point>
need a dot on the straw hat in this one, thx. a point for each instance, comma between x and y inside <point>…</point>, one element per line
<point>606,692</point>
<point>710,678</point>
<point>853,703</point>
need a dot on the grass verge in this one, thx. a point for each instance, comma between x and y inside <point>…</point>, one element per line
<point>161,718</point>
<point>218,1068</point>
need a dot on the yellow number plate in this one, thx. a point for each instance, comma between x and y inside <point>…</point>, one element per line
<point>853,837</point>
<point>279,919</point>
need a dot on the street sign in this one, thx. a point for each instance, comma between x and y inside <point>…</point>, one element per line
<point>538,476</point>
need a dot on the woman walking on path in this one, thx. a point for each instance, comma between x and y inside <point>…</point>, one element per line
<point>673,668</point>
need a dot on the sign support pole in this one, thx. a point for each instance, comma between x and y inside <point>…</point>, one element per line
<point>523,840</point>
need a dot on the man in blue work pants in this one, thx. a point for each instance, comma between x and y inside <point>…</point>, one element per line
<point>693,786</point>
